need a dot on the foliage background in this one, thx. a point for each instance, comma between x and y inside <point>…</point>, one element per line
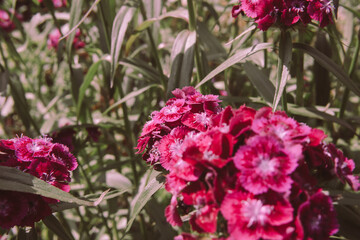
<point>137,52</point>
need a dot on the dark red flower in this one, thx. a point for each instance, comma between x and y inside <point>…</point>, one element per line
<point>295,11</point>
<point>38,209</point>
<point>321,10</point>
<point>318,217</point>
<point>64,136</point>
<point>13,208</point>
<point>60,154</point>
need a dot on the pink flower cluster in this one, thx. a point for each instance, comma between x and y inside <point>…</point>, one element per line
<point>51,162</point>
<point>242,173</point>
<point>6,22</point>
<point>57,3</point>
<point>55,35</point>
<point>285,12</point>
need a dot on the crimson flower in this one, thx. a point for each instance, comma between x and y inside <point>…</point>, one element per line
<point>318,217</point>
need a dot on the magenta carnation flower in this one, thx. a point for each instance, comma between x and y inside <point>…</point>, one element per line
<point>43,159</point>
<point>251,217</point>
<point>261,169</point>
<point>5,21</point>
<point>265,164</point>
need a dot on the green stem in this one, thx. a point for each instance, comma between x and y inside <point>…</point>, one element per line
<point>350,72</point>
<point>153,46</point>
<point>265,51</point>
<point>98,206</point>
<point>192,27</point>
<point>299,68</point>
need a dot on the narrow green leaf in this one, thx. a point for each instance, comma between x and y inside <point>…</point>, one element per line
<point>177,56</point>
<point>87,81</point>
<point>214,48</point>
<point>129,96</point>
<point>12,179</point>
<point>56,227</point>
<point>118,181</point>
<point>4,79</point>
<point>285,53</point>
<point>156,181</point>
<point>188,60</point>
<point>353,11</point>
<point>120,25</point>
<point>312,112</point>
<point>75,14</point>
<point>260,81</point>
<point>139,66</point>
<point>330,65</point>
<point>237,57</point>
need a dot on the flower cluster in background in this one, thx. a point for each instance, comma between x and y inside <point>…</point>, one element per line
<point>55,35</point>
<point>285,12</point>
<point>57,3</point>
<point>242,173</point>
<point>6,21</point>
<point>51,162</point>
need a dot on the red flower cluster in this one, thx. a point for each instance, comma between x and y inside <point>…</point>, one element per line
<point>55,35</point>
<point>285,12</point>
<point>260,170</point>
<point>51,162</point>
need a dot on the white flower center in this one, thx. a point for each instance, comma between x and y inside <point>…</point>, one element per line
<point>255,212</point>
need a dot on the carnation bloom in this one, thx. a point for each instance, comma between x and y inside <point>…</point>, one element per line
<point>261,169</point>
<point>55,35</point>
<point>321,10</point>
<point>285,13</point>
<point>43,159</point>
<point>5,21</point>
<point>251,217</point>
<point>264,164</point>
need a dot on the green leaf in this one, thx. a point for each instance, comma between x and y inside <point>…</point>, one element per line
<point>260,81</point>
<point>120,25</point>
<point>129,96</point>
<point>285,53</point>
<point>237,57</point>
<point>12,179</point>
<point>118,181</point>
<point>330,65</point>
<point>87,81</point>
<point>214,48</point>
<point>75,14</point>
<point>4,79</point>
<point>177,56</point>
<point>154,183</point>
<point>56,227</point>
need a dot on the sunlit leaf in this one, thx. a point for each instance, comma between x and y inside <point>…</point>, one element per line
<point>12,179</point>
<point>120,25</point>
<point>236,58</point>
